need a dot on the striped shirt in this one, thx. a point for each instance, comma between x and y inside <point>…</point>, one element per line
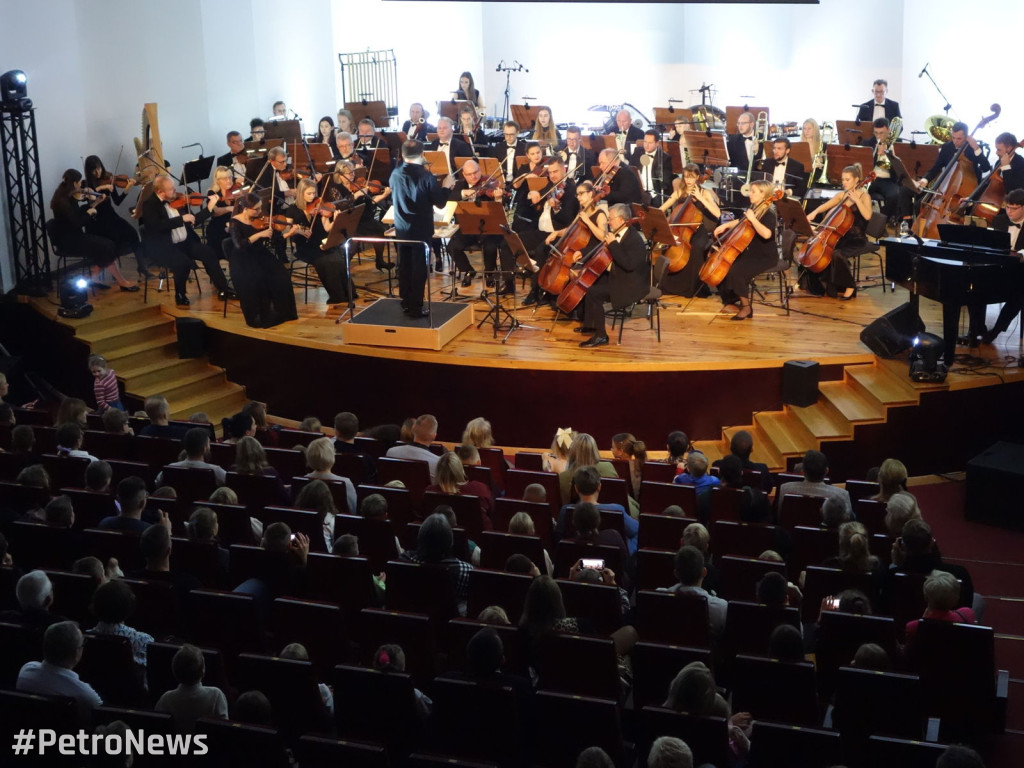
<point>105,389</point>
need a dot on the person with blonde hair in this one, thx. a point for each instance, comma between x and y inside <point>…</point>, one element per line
<point>451,479</point>
<point>892,479</point>
<point>942,598</point>
<point>583,452</point>
<point>521,524</point>
<point>478,433</point>
<point>251,459</point>
<point>557,455</point>
<point>854,550</point>
<point>900,508</point>
<point>320,457</point>
<point>760,256</point>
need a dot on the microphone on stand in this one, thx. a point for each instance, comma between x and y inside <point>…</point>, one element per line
<point>921,73</point>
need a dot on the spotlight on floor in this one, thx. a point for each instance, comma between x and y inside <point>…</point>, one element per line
<point>926,363</point>
<point>74,294</point>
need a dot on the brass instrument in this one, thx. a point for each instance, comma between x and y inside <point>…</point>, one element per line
<point>760,137</point>
<point>700,119</point>
<point>828,136</point>
<point>940,127</point>
<point>421,121</point>
<point>895,129</point>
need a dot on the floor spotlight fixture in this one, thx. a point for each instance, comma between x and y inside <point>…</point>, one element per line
<point>926,358</point>
<point>14,90</point>
<point>74,295</point>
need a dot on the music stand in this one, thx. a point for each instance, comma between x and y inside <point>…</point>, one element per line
<point>792,216</point>
<point>288,130</point>
<point>254,171</point>
<point>671,148</point>
<point>801,152</point>
<point>654,224</point>
<point>478,218</point>
<point>497,312</point>
<point>853,131</point>
<point>488,165</point>
<point>436,162</point>
<point>526,114</point>
<point>450,108</point>
<point>375,110</point>
<point>320,154</point>
<point>198,170</point>
<point>665,117</point>
<point>732,114</point>
<point>707,150</point>
<point>840,156</point>
<point>917,159</point>
<point>262,147</point>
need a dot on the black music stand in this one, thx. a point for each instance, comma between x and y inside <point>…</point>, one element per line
<point>344,227</point>
<point>197,169</point>
<point>262,147</point>
<point>478,218</point>
<point>706,150</point>
<point>375,110</point>
<point>288,130</point>
<point>320,154</point>
<point>792,216</point>
<point>498,314</point>
<point>654,224</point>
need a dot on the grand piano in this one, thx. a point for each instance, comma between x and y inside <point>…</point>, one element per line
<point>969,265</point>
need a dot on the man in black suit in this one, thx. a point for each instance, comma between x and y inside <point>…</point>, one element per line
<point>1010,165</point>
<point>413,128</point>
<point>415,192</point>
<point>467,188</point>
<point>625,185</point>
<point>627,134</point>
<point>505,152</point>
<point>367,141</point>
<point>578,159</point>
<point>626,281</point>
<point>451,145</point>
<point>346,144</point>
<point>1010,219</point>
<point>744,146</point>
<point>550,220</point>
<point>879,106</point>
<point>891,187</point>
<point>972,152</point>
<point>170,243</point>
<point>741,446</point>
<point>655,170</point>
<point>235,157</point>
<point>784,170</point>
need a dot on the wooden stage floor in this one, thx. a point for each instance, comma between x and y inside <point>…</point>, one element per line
<point>695,335</point>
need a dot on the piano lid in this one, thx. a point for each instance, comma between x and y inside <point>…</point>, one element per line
<point>970,238</point>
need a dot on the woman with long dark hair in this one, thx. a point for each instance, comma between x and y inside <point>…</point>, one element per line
<point>467,90</point>
<point>108,222</point>
<point>262,282</point>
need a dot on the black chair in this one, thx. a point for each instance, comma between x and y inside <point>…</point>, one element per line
<point>773,745</point>
<point>875,229</point>
<point>652,300</point>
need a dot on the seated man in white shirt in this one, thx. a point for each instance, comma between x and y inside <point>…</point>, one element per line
<point>690,570</point>
<point>424,432</point>
<point>815,467</point>
<point>197,450</point>
<point>54,675</point>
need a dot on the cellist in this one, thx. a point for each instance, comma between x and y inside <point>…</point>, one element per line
<point>760,256</point>
<point>974,153</point>
<point>686,281</point>
<point>839,276</point>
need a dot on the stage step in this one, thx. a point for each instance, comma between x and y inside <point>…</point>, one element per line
<point>223,399</point>
<point>142,331</point>
<point>116,317</point>
<point>854,406</point>
<point>186,385</point>
<point>823,421</point>
<point>786,432</point>
<point>878,383</point>
<point>764,452</point>
<point>162,349</point>
<point>155,376</point>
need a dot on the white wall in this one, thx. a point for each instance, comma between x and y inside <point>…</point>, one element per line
<point>212,65</point>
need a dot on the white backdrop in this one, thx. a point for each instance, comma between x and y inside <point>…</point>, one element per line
<point>212,65</point>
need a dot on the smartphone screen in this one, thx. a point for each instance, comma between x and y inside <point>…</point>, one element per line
<point>595,564</point>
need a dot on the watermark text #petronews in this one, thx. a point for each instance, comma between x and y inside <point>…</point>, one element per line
<point>134,742</point>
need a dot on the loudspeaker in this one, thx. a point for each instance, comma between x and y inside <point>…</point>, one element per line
<point>800,382</point>
<point>191,337</point>
<point>893,332</point>
<point>995,478</point>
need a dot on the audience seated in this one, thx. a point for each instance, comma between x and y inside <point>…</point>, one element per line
<point>434,545</point>
<point>892,478</point>
<point>424,432</point>
<point>696,535</point>
<point>99,474</point>
<point>112,604</point>
<point>197,452</point>
<point>391,658</point>
<point>741,446</point>
<point>265,433</point>
<point>236,427</point>
<point>155,544</point>
<point>521,524</point>
<point>346,429</point>
<point>586,481</point>
<point>669,752</point>
<point>917,552</point>
<point>251,459</point>
<point>320,457</point>
<point>73,410</point>
<point>696,472</point>
<point>556,459</point>
<point>204,526</point>
<point>159,412</point>
<point>69,442</point>
<point>131,496</point>
<point>628,448</point>
<point>834,513</point>
<point>959,756</point>
<point>815,468</point>
<point>191,700</point>
<point>900,508</point>
<point>693,691</point>
<point>942,596</point>
<point>55,675</point>
<point>34,593</point>
<point>449,477</point>
<point>678,445</point>
<point>854,552</point>
<point>586,519</point>
<point>115,421</point>
<point>582,453</point>
<point>690,572</point>
<point>298,652</point>
<point>317,496</point>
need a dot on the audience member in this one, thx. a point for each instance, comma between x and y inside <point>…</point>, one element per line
<point>521,524</point>
<point>834,513</point>
<point>253,707</point>
<point>159,412</point>
<point>311,424</point>
<point>900,508</point>
<point>251,459</point>
<point>131,496</point>
<point>298,652</point>
<point>669,752</point>
<point>557,457</point>
<point>55,675</point>
<point>916,552</point>
<point>520,563</point>
<point>535,493</point>
<point>478,433</point>
<point>434,544</point>
<point>155,545</point>
<point>693,691</point>
<point>92,567</point>
<point>942,596</point>
<point>494,614</point>
<point>786,644</point>
<point>815,469</point>
<point>36,476</point>
<point>594,757</point>
<point>690,572</point>
<point>236,427</point>
<point>628,448</point>
<point>115,421</point>
<point>424,432</point>
<point>265,432</point>
<point>892,478</point>
<point>346,429</point>
<point>582,453</point>
<point>586,519</point>
<point>69,441</point>
<point>678,445</point>
<point>98,476</point>
<point>34,593</point>
<point>104,385</point>
<point>696,474</point>
<point>871,656</point>
<point>696,535</point>
<point>742,446</point>
<point>450,478</point>
<point>391,658</point>
<point>586,483</point>
<point>315,495</point>
<point>191,700</point>
<point>197,453</point>
<point>72,410</point>
<point>959,756</point>
<point>112,604</point>
<point>854,551</point>
<point>320,456</point>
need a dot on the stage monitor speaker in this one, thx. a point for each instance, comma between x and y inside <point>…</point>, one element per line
<point>800,382</point>
<point>994,480</point>
<point>191,337</point>
<point>893,332</point>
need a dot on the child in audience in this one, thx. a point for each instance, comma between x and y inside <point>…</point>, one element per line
<point>557,457</point>
<point>391,658</point>
<point>104,385</point>
<point>191,700</point>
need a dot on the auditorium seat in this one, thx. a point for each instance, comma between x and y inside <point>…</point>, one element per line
<point>352,466</point>
<point>860,489</point>
<point>122,469</point>
<point>888,752</point>
<point>20,711</point>
<point>233,743</point>
<point>655,497</point>
<point>707,737</point>
<point>568,552</point>
<point>812,545</point>
<point>412,631</point>
<point>191,483</point>
<point>156,609</point>
<point>567,724</point>
<point>107,544</point>
<point>494,459</point>
<point>540,513</point>
<point>477,721</point>
<point>664,617</point>
<point>287,462</point>
<point>223,454</point>
<point>496,548</point>
<point>658,472</point>
<point>235,527</point>
<point>20,646</point>
<point>741,539</point>
<point>460,631</point>
<point>895,708</point>
<point>871,514</point>
<point>654,666</point>
<point>72,595</point>
<point>531,461</point>
<point>65,470</point>
<point>227,621</point>
<point>727,502</point>
<point>770,689</point>
<point>39,545</point>
<point>291,687</point>
<point>400,508</point>
<point>109,445</point>
<point>375,706</point>
<point>495,587</point>
<point>345,581</point>
<point>421,588</point>
<point>599,604</point>
<point>825,582</point>
<point>90,506</point>
<point>578,665</point>
<point>324,752</point>
<point>749,625</point>
<point>655,568</point>
<point>839,637</point>
<point>299,521</point>
<point>774,745</point>
<point>738,576</point>
<point>156,451</point>
<point>662,531</point>
<point>319,626</point>
<point>468,513</point>
<point>339,492</point>
<point>376,538</point>
<point>415,475</point>
<point>108,666</point>
<point>198,558</point>
<point>796,509</point>
<point>371,446</point>
<point>615,490</point>
<point>255,491</point>
<point>159,678</point>
<point>516,481</point>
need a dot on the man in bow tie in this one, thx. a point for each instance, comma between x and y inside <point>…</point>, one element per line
<point>784,170</point>
<point>655,168</point>
<point>743,145</point>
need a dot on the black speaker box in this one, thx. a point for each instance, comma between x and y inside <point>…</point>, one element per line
<point>892,332</point>
<point>995,478</point>
<point>800,382</point>
<point>191,337</point>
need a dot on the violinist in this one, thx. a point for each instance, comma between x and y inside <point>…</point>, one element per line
<point>839,277</point>
<point>624,184</point>
<point>73,213</point>
<point>346,144</point>
<point>686,281</point>
<point>544,131</point>
<point>311,221</point>
<point>760,256</point>
<point>170,241</point>
<point>417,127</point>
<point>469,132</point>
<point>626,134</point>
<point>257,130</point>
<point>234,159</point>
<point>625,282</point>
<point>784,170</point>
<point>358,191</point>
<point>473,186</point>
<point>655,168</point>
<point>278,176</point>
<point>264,287</point>
<point>527,216</point>
<point>506,151</point>
<point>220,202</point>
<point>557,199</point>
<point>107,222</point>
<point>578,159</point>
<point>325,135</point>
<point>467,90</point>
<point>451,145</point>
<point>890,189</point>
<point>973,152</point>
<point>594,216</point>
<point>367,140</point>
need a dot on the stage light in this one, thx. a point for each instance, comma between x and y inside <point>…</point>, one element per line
<point>74,294</point>
<point>926,362</point>
<point>14,89</point>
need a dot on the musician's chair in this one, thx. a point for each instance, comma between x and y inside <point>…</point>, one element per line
<point>652,300</point>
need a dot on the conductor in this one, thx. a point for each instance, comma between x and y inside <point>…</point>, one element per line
<point>414,192</point>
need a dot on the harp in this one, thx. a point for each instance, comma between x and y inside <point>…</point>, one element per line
<point>150,155</point>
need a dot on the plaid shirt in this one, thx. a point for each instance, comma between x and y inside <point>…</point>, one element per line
<point>459,571</point>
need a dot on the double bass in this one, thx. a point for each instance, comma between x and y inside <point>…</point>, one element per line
<point>735,242</point>
<point>595,266</point>
<point>956,182</point>
<point>686,216</point>
<point>986,201</point>
<point>816,253</point>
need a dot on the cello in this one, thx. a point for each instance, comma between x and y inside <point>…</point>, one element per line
<point>557,270</point>
<point>595,266</point>
<point>987,199</point>
<point>816,253</point>
<point>686,216</point>
<point>734,243</point>
<point>955,183</point>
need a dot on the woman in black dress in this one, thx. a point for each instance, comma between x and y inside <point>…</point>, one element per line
<point>837,278</point>
<point>686,282</point>
<point>108,222</point>
<point>325,135</point>
<point>262,282</point>
<point>220,202</point>
<point>760,256</point>
<point>347,188</point>
<point>469,132</point>
<point>73,214</point>
<point>308,231</point>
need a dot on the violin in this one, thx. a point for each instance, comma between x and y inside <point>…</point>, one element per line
<point>816,253</point>
<point>956,182</point>
<point>320,207</point>
<point>279,222</point>
<point>540,172</point>
<point>690,216</point>
<point>595,266</point>
<point>82,194</point>
<point>121,181</point>
<point>372,186</point>
<point>734,243</point>
<point>187,200</point>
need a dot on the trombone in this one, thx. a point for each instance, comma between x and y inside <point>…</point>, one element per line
<point>760,137</point>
